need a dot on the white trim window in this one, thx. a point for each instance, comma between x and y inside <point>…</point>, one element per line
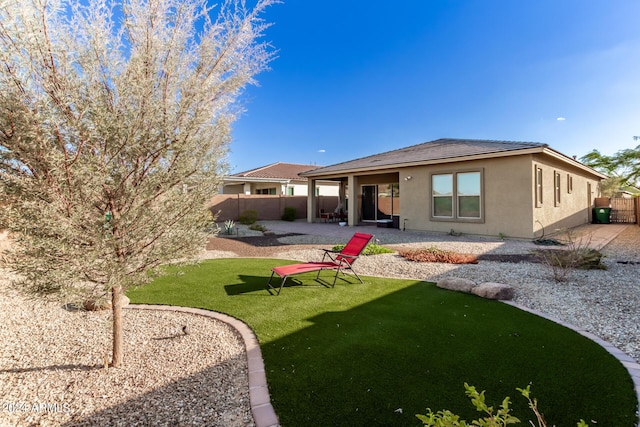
<point>457,195</point>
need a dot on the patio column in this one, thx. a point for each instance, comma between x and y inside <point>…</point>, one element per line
<point>311,201</point>
<point>354,206</point>
<point>342,196</point>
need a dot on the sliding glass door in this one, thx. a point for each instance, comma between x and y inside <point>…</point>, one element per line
<point>381,201</point>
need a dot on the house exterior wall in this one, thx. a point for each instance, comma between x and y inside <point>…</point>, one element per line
<point>232,189</point>
<point>574,206</point>
<point>505,201</point>
<point>508,202</point>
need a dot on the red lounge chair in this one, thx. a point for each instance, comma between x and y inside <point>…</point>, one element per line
<point>339,261</point>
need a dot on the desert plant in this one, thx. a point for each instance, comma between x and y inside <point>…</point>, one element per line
<point>494,418</point>
<point>576,255</point>
<point>289,213</point>
<point>435,254</point>
<point>258,227</point>
<point>229,226</point>
<point>248,217</point>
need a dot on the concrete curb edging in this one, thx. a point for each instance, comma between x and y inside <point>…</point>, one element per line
<point>627,361</point>
<point>263,413</point>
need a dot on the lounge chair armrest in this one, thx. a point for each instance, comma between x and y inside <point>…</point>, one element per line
<point>329,252</point>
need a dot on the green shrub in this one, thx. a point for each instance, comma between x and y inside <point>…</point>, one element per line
<point>248,217</point>
<point>494,418</point>
<point>258,227</point>
<point>289,213</point>
<point>370,249</point>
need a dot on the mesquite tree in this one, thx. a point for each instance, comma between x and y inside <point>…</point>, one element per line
<point>114,124</point>
<point>623,167</point>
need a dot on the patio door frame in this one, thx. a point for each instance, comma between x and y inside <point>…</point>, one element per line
<point>369,209</point>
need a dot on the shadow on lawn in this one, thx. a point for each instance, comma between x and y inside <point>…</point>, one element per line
<point>382,362</point>
<point>252,284</point>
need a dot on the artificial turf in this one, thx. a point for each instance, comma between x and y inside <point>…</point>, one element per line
<point>378,353</point>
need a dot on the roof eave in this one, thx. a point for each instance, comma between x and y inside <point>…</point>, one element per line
<point>484,156</point>
<point>558,155</point>
<point>240,179</point>
<point>401,165</point>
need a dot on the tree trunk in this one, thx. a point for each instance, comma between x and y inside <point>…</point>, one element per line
<point>116,306</point>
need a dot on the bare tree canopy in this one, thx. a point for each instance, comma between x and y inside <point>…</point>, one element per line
<point>114,124</point>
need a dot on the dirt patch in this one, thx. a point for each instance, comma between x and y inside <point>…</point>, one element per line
<point>262,241</point>
<point>254,246</point>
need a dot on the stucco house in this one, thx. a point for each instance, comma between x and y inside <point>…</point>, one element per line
<point>479,187</point>
<point>279,179</point>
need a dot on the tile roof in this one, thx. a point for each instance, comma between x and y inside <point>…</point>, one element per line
<point>277,170</point>
<point>440,149</point>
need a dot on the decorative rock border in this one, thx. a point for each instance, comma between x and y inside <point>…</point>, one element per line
<point>263,413</point>
<point>489,290</point>
<point>632,366</point>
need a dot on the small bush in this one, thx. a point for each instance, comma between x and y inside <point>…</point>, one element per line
<point>576,255</point>
<point>434,254</point>
<point>289,213</point>
<point>494,418</point>
<point>248,217</point>
<point>370,249</point>
<point>258,227</point>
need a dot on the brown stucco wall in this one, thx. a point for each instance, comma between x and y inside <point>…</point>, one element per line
<point>509,197</point>
<point>506,203</point>
<point>231,206</point>
<point>574,207</point>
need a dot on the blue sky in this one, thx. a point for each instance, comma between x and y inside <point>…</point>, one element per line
<point>355,78</point>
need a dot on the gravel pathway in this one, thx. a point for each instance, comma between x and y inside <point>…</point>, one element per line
<point>52,360</point>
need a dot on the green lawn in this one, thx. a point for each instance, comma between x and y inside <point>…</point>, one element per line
<point>357,354</point>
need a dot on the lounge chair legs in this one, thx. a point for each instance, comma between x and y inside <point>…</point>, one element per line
<point>270,286</point>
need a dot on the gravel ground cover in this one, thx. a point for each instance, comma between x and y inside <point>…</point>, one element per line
<point>52,359</point>
<point>52,368</point>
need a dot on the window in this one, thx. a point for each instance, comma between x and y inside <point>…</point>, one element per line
<point>271,191</point>
<point>569,183</point>
<point>442,191</point>
<point>290,191</point>
<point>457,195</point>
<point>538,186</point>
<point>556,188</point>
<point>468,186</point>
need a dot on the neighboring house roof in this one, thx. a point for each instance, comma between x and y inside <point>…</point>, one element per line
<point>443,151</point>
<point>278,171</point>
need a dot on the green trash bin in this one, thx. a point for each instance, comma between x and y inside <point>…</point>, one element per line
<point>601,215</point>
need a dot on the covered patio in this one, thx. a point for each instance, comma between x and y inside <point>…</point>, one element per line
<point>362,199</point>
